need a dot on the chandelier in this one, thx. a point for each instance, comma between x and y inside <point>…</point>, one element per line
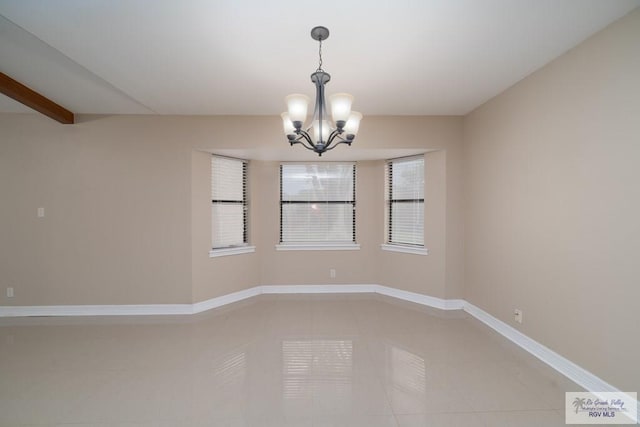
<point>326,135</point>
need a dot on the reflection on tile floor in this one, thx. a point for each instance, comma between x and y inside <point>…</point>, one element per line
<point>347,360</point>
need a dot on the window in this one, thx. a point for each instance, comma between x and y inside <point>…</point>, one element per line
<point>405,202</point>
<point>317,205</point>
<point>229,209</point>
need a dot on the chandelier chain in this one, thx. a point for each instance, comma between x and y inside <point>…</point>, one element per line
<point>320,56</point>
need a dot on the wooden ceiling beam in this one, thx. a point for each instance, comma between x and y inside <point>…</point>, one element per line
<point>33,99</point>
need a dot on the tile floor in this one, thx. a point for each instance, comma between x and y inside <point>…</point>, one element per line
<point>348,360</point>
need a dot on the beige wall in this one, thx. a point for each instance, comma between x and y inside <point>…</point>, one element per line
<point>117,203</point>
<point>127,202</point>
<point>552,189</point>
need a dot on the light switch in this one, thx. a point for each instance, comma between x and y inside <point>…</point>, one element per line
<point>40,212</point>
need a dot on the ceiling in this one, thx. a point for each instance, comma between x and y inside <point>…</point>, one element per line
<point>201,57</point>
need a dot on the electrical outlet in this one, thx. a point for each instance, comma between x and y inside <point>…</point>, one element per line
<point>332,273</point>
<point>40,212</point>
<point>517,315</point>
<point>9,292</point>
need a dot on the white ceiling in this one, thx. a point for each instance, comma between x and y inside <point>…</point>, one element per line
<point>400,57</point>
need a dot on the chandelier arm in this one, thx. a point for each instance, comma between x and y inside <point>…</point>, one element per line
<point>336,133</point>
<point>296,140</point>
<point>332,136</point>
<point>344,141</point>
<point>306,146</point>
<point>307,138</point>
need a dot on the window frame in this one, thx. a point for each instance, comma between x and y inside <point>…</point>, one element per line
<point>390,244</point>
<point>318,245</point>
<point>244,246</point>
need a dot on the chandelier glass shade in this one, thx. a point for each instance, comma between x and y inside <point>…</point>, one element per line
<point>322,133</point>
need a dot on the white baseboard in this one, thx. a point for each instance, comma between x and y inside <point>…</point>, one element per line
<point>553,359</point>
<point>317,289</point>
<point>566,367</point>
<point>199,307</point>
<point>95,310</point>
<point>575,373</point>
<point>442,304</point>
<point>220,301</point>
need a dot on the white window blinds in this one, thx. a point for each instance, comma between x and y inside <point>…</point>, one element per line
<point>229,202</point>
<point>317,203</point>
<point>405,201</point>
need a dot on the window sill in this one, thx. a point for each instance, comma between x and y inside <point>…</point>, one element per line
<point>404,249</point>
<point>214,253</point>
<point>318,247</point>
